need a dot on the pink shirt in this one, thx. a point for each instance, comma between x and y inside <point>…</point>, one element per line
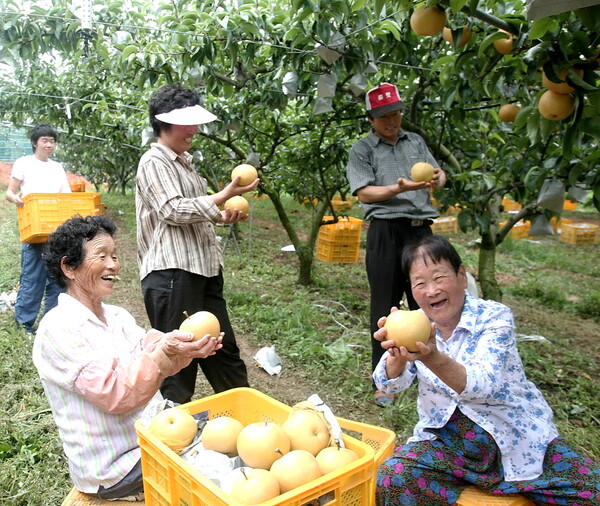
<point>98,378</point>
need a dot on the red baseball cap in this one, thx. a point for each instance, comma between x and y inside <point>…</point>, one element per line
<point>383,99</point>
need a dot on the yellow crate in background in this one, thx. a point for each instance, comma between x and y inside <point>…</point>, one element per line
<point>339,242</point>
<point>171,481</point>
<point>77,185</point>
<point>579,233</point>
<point>510,205</point>
<point>558,222</point>
<point>100,207</point>
<point>346,229</point>
<point>520,229</point>
<point>44,212</point>
<point>335,252</point>
<point>340,204</point>
<point>445,225</point>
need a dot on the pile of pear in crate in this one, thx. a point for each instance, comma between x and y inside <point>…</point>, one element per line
<point>259,461</point>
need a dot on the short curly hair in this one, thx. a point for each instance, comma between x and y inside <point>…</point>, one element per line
<point>68,241</point>
<point>166,99</point>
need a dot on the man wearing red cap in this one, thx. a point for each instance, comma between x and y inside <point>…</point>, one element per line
<point>398,208</point>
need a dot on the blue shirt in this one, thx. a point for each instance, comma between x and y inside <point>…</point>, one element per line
<point>498,397</point>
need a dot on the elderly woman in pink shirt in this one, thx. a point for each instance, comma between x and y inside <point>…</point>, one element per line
<point>99,369</point>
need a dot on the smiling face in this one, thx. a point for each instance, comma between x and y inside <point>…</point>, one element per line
<point>44,147</point>
<point>178,137</point>
<point>95,277</point>
<point>439,290</point>
<point>388,125</point>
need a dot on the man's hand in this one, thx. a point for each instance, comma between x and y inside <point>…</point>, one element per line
<point>406,185</point>
<point>439,178</point>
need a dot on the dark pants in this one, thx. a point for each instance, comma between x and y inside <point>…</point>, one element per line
<point>132,484</point>
<point>385,241</point>
<point>167,294</point>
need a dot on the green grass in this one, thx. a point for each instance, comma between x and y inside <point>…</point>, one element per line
<point>321,333</point>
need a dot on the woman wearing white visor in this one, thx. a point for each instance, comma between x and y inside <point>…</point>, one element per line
<point>179,257</point>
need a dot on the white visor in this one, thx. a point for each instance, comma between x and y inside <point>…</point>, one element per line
<point>193,115</point>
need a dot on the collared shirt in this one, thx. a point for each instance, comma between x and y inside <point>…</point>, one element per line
<point>97,378</point>
<point>374,162</point>
<point>174,216</point>
<point>498,396</point>
<point>38,176</point>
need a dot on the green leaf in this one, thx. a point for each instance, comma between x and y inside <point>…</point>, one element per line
<point>457,5</point>
<point>358,4</point>
<point>128,50</point>
<point>542,26</point>
<point>391,27</point>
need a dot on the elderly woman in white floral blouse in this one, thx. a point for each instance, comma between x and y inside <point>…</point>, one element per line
<point>481,421</point>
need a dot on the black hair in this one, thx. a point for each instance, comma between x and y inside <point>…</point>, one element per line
<point>41,130</point>
<point>166,99</point>
<point>68,240</point>
<point>433,247</point>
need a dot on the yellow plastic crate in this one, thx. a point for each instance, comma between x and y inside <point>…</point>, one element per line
<point>383,442</point>
<point>100,208</point>
<point>171,481</point>
<point>341,205</point>
<point>339,242</point>
<point>472,496</point>
<point>337,252</point>
<point>347,229</point>
<point>519,230</point>
<point>510,205</point>
<point>445,225</point>
<point>579,233</point>
<point>558,222</point>
<point>44,212</point>
<point>76,185</point>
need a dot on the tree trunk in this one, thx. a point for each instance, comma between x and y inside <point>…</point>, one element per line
<point>305,251</point>
<point>490,288</point>
<point>306,257</point>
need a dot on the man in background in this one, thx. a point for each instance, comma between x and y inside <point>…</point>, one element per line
<point>398,208</point>
<point>36,173</point>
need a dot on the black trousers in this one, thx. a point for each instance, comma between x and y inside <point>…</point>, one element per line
<point>167,294</point>
<point>385,241</point>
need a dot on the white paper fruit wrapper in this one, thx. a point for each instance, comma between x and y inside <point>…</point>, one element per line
<point>268,359</point>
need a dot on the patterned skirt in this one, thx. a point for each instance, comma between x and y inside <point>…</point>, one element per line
<point>436,472</point>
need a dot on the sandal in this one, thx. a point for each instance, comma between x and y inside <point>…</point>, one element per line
<point>382,399</point>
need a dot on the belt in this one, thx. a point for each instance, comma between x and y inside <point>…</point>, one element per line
<point>407,221</point>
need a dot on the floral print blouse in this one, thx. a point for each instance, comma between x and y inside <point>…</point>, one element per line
<point>498,396</point>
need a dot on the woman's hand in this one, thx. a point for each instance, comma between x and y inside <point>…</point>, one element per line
<point>395,362</point>
<point>234,216</point>
<point>178,344</point>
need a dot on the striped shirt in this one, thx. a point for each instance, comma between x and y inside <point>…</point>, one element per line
<point>174,216</point>
<point>374,162</point>
<point>97,378</point>
<point>498,396</point>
